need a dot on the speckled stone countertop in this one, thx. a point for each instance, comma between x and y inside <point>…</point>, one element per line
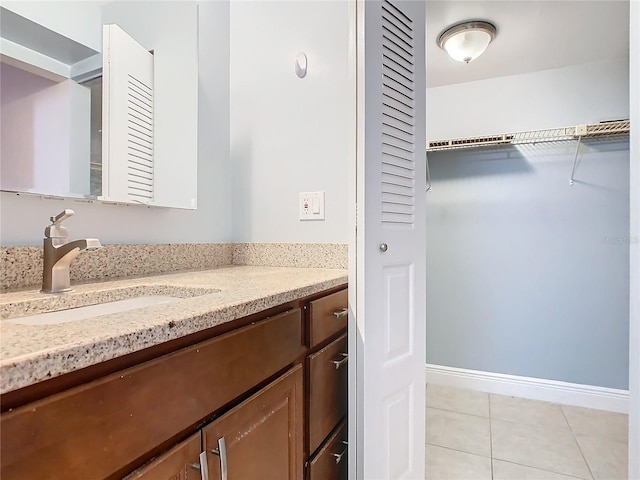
<point>30,354</point>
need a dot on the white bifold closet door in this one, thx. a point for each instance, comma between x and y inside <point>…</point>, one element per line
<point>391,266</point>
<point>127,118</point>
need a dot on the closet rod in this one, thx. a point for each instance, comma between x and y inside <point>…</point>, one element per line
<point>594,130</point>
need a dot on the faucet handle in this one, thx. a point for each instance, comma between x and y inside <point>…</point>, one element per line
<point>58,219</point>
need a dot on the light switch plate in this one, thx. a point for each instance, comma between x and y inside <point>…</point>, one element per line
<point>311,206</point>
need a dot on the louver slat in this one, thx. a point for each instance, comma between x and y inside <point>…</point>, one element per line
<point>140,140</point>
<point>398,61</point>
<point>398,133</point>
<point>391,111</point>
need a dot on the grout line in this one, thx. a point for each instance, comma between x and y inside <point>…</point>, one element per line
<point>551,426</point>
<point>575,439</point>
<point>541,469</point>
<point>564,415</point>
<point>490,433</point>
<point>456,411</point>
<point>457,450</point>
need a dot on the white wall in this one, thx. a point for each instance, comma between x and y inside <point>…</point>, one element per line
<point>562,97</point>
<point>527,275</point>
<point>23,218</point>
<point>289,135</point>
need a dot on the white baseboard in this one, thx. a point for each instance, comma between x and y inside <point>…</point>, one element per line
<point>589,396</point>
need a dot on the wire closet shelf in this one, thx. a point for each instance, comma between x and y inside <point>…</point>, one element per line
<point>595,130</point>
<point>600,130</point>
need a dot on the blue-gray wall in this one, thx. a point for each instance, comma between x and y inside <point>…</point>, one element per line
<point>527,275</point>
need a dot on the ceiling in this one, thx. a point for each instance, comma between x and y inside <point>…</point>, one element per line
<point>532,35</point>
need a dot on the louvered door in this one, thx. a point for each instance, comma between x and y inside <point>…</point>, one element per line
<point>391,270</point>
<point>127,119</point>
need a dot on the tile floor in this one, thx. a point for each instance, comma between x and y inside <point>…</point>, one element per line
<point>481,436</point>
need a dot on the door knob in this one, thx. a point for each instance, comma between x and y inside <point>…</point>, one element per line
<point>384,247</point>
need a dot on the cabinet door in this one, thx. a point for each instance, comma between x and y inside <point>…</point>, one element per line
<point>260,439</point>
<point>328,390</point>
<point>179,463</point>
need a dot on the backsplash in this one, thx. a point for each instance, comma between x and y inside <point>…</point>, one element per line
<point>318,255</point>
<point>22,266</point>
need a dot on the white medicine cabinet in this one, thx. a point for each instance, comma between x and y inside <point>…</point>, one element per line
<point>77,125</point>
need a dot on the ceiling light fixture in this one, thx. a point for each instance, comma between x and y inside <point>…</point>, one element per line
<point>466,41</point>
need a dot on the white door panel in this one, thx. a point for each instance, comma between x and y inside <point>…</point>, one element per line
<point>127,119</point>
<point>390,262</point>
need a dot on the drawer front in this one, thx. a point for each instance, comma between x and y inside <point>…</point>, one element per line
<point>179,463</point>
<point>330,463</point>
<point>328,384</point>
<point>327,316</point>
<point>105,428</point>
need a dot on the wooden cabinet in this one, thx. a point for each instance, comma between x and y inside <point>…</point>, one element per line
<point>254,398</point>
<point>179,463</point>
<point>327,387</point>
<point>262,437</point>
<point>120,420</point>
<point>259,439</point>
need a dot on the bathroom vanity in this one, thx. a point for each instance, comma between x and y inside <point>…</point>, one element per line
<point>246,380</point>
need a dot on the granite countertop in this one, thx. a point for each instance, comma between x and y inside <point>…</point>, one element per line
<point>30,354</point>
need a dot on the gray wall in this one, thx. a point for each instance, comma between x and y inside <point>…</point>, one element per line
<point>527,275</point>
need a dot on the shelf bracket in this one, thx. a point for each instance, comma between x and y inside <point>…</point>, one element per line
<point>575,161</point>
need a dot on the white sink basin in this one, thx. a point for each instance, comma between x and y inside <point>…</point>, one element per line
<point>104,299</point>
<point>90,311</point>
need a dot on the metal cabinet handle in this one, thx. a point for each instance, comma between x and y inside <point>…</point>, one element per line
<point>340,455</point>
<point>342,361</point>
<point>341,313</point>
<point>202,466</point>
<point>221,451</point>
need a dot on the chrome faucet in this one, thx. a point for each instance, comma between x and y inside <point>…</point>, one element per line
<point>59,253</point>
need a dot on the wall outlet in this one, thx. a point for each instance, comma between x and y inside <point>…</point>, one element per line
<point>311,206</point>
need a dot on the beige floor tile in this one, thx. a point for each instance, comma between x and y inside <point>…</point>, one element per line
<point>586,421</point>
<point>511,471</point>
<point>458,431</point>
<point>446,464</point>
<point>539,446</point>
<point>606,458</point>
<point>522,410</point>
<point>458,400</point>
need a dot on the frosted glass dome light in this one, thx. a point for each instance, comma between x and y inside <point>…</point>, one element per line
<point>466,41</point>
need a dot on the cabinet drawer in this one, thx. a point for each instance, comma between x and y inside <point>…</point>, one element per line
<point>179,463</point>
<point>327,315</point>
<point>330,463</point>
<point>260,439</point>
<point>328,383</point>
<point>106,428</point>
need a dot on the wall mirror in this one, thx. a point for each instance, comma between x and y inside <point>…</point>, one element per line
<point>99,100</point>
